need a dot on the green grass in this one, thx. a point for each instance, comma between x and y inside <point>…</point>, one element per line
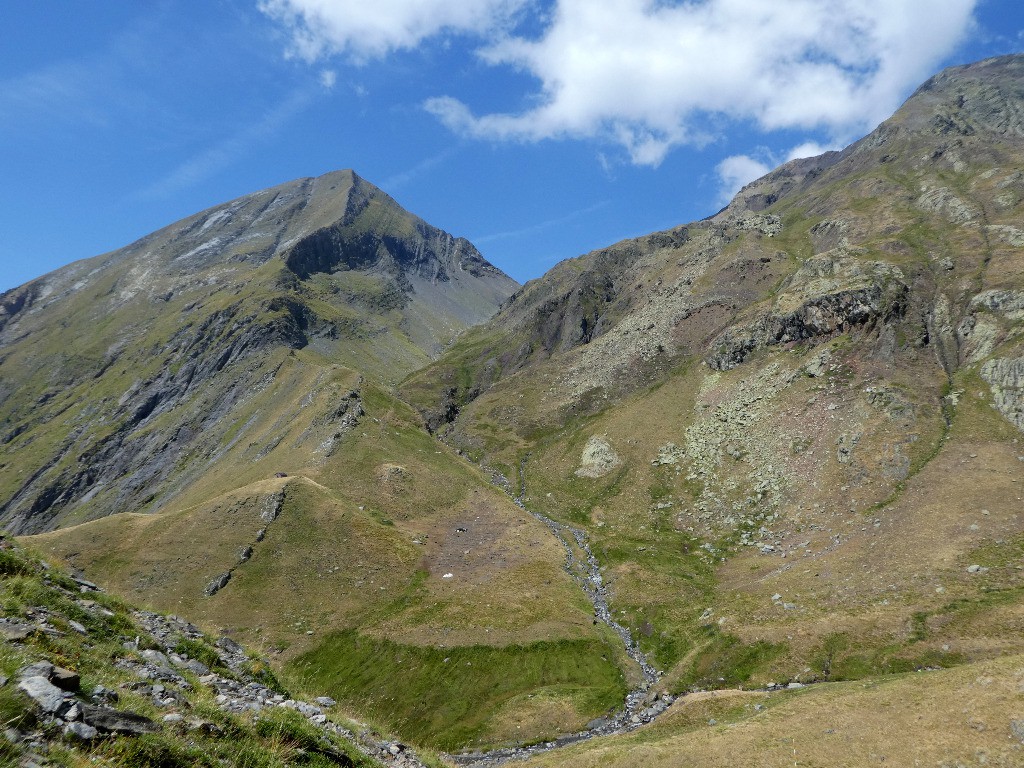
<point>445,697</point>
<point>725,661</point>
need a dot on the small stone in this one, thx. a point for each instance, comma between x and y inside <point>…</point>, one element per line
<point>229,645</point>
<point>79,628</point>
<point>203,726</point>
<point>1017,729</point>
<point>196,667</point>
<point>117,721</point>
<point>156,658</point>
<point>973,568</point>
<point>172,717</point>
<point>81,731</point>
<point>325,701</point>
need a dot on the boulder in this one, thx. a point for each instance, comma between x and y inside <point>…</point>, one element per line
<point>45,694</point>
<point>117,721</point>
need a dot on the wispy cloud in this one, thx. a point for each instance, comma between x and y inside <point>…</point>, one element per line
<point>233,148</point>
<point>364,30</point>
<point>534,229</point>
<point>399,180</point>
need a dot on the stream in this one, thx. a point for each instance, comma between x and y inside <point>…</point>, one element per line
<point>640,706</point>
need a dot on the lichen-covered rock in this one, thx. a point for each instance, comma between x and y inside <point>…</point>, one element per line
<point>598,459</point>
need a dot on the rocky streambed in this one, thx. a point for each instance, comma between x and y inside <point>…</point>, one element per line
<point>642,704</point>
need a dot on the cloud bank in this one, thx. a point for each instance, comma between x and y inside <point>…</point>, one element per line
<point>651,75</point>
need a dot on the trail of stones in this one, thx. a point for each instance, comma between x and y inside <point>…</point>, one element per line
<point>245,694</point>
<point>641,705</point>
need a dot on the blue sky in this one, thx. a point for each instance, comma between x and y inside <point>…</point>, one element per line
<point>539,129</point>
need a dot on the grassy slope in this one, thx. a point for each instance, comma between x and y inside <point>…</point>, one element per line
<point>877,544</point>
<point>360,550</point>
<point>961,716</point>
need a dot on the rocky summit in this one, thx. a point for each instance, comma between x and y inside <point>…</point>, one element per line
<point>747,491</point>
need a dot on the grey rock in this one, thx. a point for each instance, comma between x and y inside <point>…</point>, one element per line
<point>227,644</point>
<point>15,631</point>
<point>1017,729</point>
<point>196,667</point>
<point>325,701</point>
<point>45,694</point>
<point>117,721</point>
<point>217,584</point>
<point>81,731</point>
<point>829,292</point>
<point>104,695</point>
<point>1006,378</point>
<point>40,668</point>
<point>65,679</point>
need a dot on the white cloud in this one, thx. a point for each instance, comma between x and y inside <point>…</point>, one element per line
<point>363,30</point>
<point>810,149</point>
<point>328,78</point>
<point>647,74</point>
<point>650,75</point>
<point>736,172</point>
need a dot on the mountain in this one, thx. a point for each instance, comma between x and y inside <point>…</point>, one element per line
<point>127,376</point>
<point>216,404</point>
<point>755,470</point>
<point>791,430</point>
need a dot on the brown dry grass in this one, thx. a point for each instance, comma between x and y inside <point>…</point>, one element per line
<point>945,718</point>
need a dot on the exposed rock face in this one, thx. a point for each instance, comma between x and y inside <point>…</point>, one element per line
<point>828,294</point>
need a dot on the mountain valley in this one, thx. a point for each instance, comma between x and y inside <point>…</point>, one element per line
<point>779,449</point>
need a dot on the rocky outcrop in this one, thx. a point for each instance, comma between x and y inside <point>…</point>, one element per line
<point>829,294</point>
<point>1006,378</point>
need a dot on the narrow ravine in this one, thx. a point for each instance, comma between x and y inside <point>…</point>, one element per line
<point>641,705</point>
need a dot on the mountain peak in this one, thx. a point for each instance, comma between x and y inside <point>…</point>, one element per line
<point>183,325</point>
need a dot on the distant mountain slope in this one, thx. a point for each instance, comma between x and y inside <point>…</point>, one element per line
<point>123,378</point>
<point>818,393</point>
